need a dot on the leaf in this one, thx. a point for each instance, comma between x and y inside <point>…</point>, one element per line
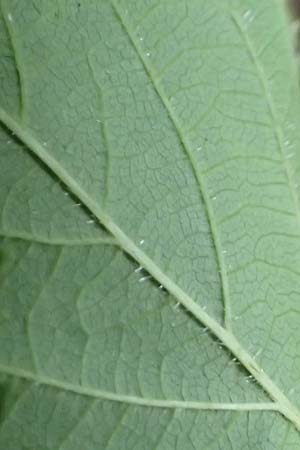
<point>150,226</point>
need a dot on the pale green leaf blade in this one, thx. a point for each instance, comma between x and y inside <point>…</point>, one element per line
<point>175,126</point>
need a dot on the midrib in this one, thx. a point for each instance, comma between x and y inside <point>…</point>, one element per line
<point>282,403</point>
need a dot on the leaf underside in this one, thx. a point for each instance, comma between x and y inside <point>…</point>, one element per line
<point>149,222</point>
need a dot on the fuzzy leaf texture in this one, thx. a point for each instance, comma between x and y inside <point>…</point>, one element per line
<point>150,224</point>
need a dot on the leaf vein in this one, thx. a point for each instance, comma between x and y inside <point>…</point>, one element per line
<point>273,113</point>
<point>186,146</point>
<point>135,400</point>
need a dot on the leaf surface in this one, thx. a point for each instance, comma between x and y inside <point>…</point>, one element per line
<point>150,226</point>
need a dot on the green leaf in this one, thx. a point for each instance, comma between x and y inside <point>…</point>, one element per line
<point>150,226</point>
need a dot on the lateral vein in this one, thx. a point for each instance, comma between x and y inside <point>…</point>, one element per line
<point>187,148</point>
<point>135,400</point>
<point>9,30</point>
<point>57,241</point>
<point>272,110</point>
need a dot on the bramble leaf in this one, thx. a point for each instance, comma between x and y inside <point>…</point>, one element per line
<point>150,224</point>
